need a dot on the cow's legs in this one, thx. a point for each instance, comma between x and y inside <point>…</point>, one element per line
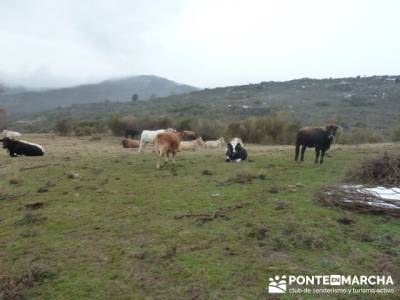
<point>158,161</point>
<point>296,156</point>
<point>161,156</point>
<point>173,157</point>
<point>303,149</point>
<point>166,157</point>
<point>141,145</point>
<point>322,156</point>
<point>317,155</point>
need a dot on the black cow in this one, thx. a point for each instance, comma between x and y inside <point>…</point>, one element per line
<point>235,154</point>
<point>132,132</point>
<point>319,138</point>
<point>16,148</point>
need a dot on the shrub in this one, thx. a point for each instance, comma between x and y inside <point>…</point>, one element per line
<point>359,136</point>
<point>275,129</point>
<point>396,135</point>
<point>89,128</point>
<point>116,125</point>
<point>63,126</point>
<point>379,170</point>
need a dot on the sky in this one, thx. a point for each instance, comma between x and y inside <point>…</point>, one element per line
<point>205,43</point>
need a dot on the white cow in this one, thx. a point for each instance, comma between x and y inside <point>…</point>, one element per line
<point>214,144</point>
<point>10,134</point>
<point>148,136</point>
<point>191,145</point>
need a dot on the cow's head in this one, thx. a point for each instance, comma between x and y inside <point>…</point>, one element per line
<point>235,143</point>
<point>331,131</point>
<point>221,140</point>
<point>229,152</point>
<point>6,142</point>
<point>200,141</point>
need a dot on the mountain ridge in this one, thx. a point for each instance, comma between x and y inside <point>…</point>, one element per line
<point>116,89</point>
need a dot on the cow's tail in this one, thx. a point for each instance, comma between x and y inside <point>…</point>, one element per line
<point>297,151</point>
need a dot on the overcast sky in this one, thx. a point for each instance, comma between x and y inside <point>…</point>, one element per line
<point>206,43</point>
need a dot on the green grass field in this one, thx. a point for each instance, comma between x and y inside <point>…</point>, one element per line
<point>109,225</point>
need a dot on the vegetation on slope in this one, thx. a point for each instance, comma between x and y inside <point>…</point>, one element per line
<point>362,106</point>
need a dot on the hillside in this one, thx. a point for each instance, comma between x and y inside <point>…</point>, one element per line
<point>110,90</point>
<point>362,102</point>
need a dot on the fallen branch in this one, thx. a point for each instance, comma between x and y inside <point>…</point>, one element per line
<point>358,199</point>
<point>38,166</point>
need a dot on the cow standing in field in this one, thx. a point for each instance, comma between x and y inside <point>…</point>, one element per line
<point>191,145</point>
<point>319,138</point>
<point>148,136</point>
<point>167,143</point>
<point>17,148</point>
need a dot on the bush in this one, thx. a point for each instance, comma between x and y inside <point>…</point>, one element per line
<point>359,136</point>
<point>63,126</point>
<point>116,125</point>
<point>275,129</point>
<point>89,128</point>
<point>379,170</point>
<point>396,135</point>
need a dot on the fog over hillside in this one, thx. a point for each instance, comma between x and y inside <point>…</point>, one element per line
<point>121,90</point>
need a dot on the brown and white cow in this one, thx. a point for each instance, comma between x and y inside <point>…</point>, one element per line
<point>167,143</point>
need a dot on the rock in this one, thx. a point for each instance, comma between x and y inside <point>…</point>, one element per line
<point>42,189</point>
<point>72,175</point>
<point>206,172</point>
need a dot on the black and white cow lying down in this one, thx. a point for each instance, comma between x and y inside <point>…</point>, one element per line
<point>17,148</point>
<point>235,151</point>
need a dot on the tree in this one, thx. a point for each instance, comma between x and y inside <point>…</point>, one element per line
<point>135,97</point>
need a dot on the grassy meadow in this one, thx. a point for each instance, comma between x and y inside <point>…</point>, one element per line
<point>91,220</point>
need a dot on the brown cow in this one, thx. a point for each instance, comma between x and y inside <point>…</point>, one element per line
<point>167,143</point>
<point>130,143</point>
<point>189,135</point>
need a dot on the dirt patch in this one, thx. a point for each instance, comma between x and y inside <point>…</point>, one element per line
<point>258,232</point>
<point>31,219</point>
<point>206,172</point>
<point>243,178</point>
<point>345,220</point>
<point>34,205</point>
<point>218,213</point>
<point>13,285</point>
